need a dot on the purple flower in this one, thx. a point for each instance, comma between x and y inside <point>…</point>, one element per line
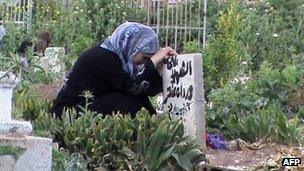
<point>216,141</point>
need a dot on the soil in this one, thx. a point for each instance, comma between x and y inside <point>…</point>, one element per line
<point>49,91</point>
<point>269,155</point>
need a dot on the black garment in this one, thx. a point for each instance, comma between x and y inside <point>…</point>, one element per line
<point>24,46</point>
<point>100,71</point>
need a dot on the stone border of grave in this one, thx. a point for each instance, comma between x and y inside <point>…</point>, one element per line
<point>35,152</point>
<point>8,80</point>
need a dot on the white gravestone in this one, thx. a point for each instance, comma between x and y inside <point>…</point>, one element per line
<point>38,151</point>
<point>8,81</point>
<point>183,93</point>
<point>52,62</point>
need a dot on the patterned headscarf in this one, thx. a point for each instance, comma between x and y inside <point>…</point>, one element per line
<point>129,39</point>
<point>2,32</point>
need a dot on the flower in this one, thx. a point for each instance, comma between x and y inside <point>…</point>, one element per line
<point>257,34</point>
<point>266,10</point>
<point>244,63</point>
<point>275,35</point>
<point>210,105</point>
<point>90,21</point>
<point>81,10</point>
<point>75,12</point>
<point>240,79</point>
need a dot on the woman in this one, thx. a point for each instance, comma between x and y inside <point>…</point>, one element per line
<point>120,73</point>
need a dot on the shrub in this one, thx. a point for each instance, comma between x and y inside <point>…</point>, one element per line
<point>119,142</point>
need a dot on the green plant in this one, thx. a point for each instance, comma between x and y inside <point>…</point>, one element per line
<point>225,52</point>
<point>269,123</point>
<point>14,63</point>
<point>16,152</point>
<point>253,127</point>
<point>62,160</point>
<point>168,145</point>
<point>119,142</point>
<point>191,47</point>
<point>244,101</point>
<point>29,104</point>
<point>147,143</point>
<point>288,132</point>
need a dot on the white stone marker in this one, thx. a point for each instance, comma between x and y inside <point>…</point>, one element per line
<point>183,94</point>
<point>52,62</point>
<point>7,82</point>
<point>38,151</point>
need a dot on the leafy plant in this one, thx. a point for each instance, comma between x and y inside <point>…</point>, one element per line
<point>288,132</point>
<point>62,160</point>
<point>146,143</point>
<point>16,152</point>
<point>269,123</point>
<point>119,142</point>
<point>29,104</point>
<point>191,47</point>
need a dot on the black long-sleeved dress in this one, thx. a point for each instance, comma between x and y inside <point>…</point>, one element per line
<point>100,71</point>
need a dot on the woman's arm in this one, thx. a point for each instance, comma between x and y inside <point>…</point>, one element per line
<point>109,69</point>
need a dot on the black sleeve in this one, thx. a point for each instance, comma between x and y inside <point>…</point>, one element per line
<point>156,84</point>
<point>109,69</point>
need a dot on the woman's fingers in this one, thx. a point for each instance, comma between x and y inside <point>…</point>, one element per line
<point>163,53</point>
<point>172,52</point>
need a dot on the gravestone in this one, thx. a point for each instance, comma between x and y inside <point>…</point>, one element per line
<point>183,93</point>
<point>2,32</point>
<point>36,152</point>
<point>52,61</point>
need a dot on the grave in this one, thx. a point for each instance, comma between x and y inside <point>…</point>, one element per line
<point>52,61</point>
<point>18,150</point>
<point>183,93</point>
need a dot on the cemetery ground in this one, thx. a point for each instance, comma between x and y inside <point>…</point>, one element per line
<point>253,74</point>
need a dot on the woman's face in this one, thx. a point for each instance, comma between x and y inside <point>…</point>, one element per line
<point>140,57</point>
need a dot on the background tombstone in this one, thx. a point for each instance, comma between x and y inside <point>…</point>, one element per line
<point>52,62</point>
<point>184,93</point>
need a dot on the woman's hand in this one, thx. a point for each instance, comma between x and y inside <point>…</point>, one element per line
<point>162,53</point>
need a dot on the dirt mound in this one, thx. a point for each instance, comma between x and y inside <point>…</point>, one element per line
<point>265,158</point>
<point>49,91</point>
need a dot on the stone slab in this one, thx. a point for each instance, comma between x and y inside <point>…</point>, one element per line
<point>7,83</point>
<point>52,62</point>
<point>15,127</point>
<point>6,95</point>
<point>36,157</point>
<point>183,95</point>
<point>8,80</point>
